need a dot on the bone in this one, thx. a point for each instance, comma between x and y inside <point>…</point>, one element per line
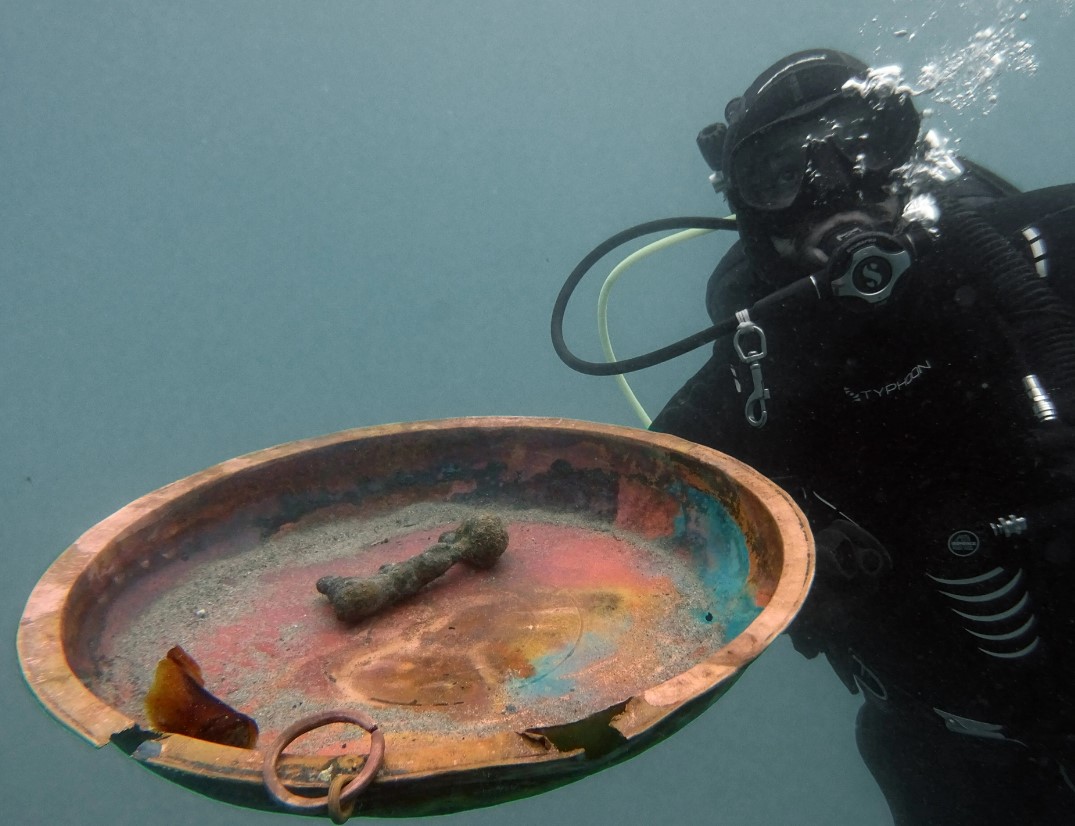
<point>479,541</point>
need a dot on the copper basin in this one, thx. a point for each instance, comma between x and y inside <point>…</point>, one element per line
<point>643,573</point>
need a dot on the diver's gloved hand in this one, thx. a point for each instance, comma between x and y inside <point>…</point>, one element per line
<point>847,552</point>
<point>851,563</point>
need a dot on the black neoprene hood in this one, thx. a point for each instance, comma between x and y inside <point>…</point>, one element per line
<point>792,87</point>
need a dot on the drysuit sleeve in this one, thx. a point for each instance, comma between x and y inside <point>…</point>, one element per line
<point>851,567</point>
<point>695,412</point>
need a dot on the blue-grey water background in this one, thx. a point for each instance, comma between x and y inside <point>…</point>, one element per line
<point>225,226</point>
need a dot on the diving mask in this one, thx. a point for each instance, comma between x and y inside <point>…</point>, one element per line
<point>771,167</point>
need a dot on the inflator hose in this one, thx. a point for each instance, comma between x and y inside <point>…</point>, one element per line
<point>1041,323</point>
<point>685,345</point>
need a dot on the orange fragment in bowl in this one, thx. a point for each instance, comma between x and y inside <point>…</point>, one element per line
<point>179,703</point>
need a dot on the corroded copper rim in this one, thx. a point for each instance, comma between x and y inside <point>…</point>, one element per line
<point>45,664</point>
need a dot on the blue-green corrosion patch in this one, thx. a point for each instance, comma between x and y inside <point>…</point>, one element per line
<point>556,672</point>
<point>720,558</point>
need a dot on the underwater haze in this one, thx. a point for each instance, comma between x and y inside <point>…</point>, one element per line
<point>226,226</point>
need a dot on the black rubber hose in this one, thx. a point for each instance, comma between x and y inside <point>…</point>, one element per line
<point>685,345</point>
<point>1042,325</point>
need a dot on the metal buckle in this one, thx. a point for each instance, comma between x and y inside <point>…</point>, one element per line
<point>755,409</point>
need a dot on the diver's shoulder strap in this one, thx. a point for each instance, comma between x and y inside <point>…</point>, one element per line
<point>732,284</point>
<point>979,185</point>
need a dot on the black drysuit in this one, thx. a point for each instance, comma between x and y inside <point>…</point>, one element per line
<point>904,431</point>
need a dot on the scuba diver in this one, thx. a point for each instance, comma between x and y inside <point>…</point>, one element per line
<point>894,344</point>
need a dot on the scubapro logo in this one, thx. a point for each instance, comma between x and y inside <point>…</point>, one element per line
<point>872,275</point>
<point>963,543</point>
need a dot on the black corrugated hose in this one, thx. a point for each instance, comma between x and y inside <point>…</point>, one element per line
<point>1040,324</point>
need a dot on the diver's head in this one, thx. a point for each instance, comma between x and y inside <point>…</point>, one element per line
<point>807,155</point>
